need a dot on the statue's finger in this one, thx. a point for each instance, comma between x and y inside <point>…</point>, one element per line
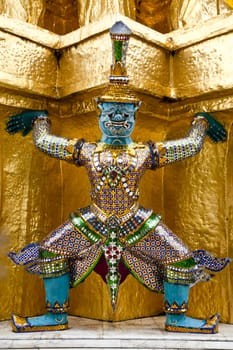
<point>14,121</point>
<point>17,117</point>
<point>11,132</point>
<point>222,136</point>
<point>12,129</point>
<point>220,133</point>
<point>220,128</point>
<point>216,138</point>
<point>25,132</point>
<point>223,133</point>
<point>211,132</point>
<point>11,124</point>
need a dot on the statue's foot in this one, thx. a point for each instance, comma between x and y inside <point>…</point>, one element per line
<point>184,324</point>
<point>47,322</point>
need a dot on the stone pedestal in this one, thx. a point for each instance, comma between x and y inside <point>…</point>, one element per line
<point>146,333</point>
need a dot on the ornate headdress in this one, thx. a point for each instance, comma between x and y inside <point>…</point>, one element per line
<point>118,89</point>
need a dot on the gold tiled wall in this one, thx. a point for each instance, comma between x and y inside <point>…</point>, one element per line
<point>173,74</point>
<point>64,16</point>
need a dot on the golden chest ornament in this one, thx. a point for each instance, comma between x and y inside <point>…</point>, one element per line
<point>115,164</point>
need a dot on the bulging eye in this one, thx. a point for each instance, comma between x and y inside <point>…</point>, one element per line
<point>126,115</point>
<point>111,115</point>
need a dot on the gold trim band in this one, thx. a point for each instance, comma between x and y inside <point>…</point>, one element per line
<point>103,217</point>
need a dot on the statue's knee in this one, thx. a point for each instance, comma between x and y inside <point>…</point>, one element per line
<point>52,264</point>
<point>182,272</point>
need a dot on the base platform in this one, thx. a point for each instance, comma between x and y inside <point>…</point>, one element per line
<point>145,333</point>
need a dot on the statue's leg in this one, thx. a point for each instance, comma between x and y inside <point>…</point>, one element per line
<point>56,283</point>
<point>176,296</point>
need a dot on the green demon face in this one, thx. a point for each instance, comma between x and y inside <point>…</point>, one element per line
<point>117,121</point>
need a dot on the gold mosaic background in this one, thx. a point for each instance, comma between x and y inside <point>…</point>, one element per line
<point>64,16</point>
<point>176,74</point>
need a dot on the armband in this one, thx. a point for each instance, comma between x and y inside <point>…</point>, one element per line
<point>40,118</point>
<point>153,154</point>
<point>77,150</point>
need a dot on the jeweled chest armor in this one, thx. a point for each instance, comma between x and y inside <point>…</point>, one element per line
<point>114,174</point>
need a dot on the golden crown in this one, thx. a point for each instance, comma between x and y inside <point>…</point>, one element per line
<point>118,89</point>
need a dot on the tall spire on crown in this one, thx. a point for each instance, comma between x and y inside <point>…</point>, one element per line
<point>118,89</point>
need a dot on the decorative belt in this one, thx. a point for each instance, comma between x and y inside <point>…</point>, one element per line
<point>130,239</point>
<point>123,218</point>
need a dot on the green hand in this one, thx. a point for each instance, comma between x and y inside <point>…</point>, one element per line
<point>216,130</point>
<point>23,121</point>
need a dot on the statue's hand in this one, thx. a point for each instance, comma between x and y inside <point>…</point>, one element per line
<point>216,130</point>
<point>23,122</point>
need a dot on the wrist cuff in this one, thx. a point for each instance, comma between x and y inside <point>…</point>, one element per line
<point>40,118</point>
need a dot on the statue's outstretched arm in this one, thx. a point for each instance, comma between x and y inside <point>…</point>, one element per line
<point>203,125</point>
<point>39,123</point>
